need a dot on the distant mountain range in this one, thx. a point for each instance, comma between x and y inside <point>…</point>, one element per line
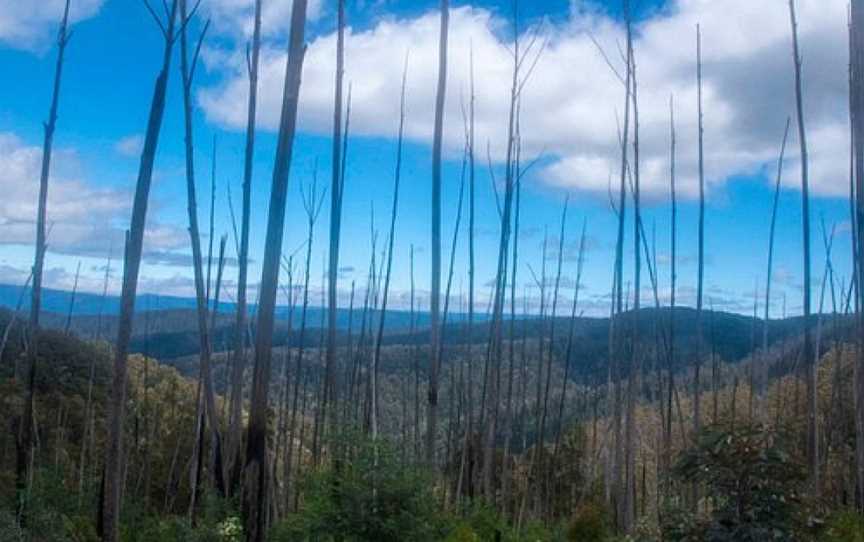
<point>166,327</point>
<point>89,306</point>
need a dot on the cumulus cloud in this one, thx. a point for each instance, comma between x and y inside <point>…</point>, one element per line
<point>571,106</point>
<point>84,220</point>
<point>234,18</point>
<point>32,24</point>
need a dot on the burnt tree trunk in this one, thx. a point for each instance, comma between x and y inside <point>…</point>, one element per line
<point>110,510</point>
<point>256,494</point>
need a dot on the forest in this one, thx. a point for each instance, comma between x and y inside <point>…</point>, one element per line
<point>502,406</point>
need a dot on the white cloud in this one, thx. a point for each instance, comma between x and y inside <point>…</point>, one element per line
<point>83,219</point>
<point>569,108</point>
<point>130,146</point>
<point>235,18</point>
<point>32,24</point>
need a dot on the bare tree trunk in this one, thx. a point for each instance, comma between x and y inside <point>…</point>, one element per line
<point>857,196</point>
<point>98,334</point>
<point>697,385</point>
<point>809,355</point>
<point>435,293</point>
<point>312,205</point>
<point>616,493</point>
<point>68,325</point>
<point>256,448</point>
<point>416,358</point>
<point>673,280</point>
<point>239,354</point>
<point>765,324</point>
<point>335,214</point>
<point>201,290</point>
<point>24,457</point>
<point>541,437</point>
<point>110,511</point>
<point>635,372</point>
<point>376,356</point>
<point>472,269</point>
<point>580,262</point>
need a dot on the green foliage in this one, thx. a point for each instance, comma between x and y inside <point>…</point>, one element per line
<point>484,520</point>
<point>53,514</point>
<point>463,533</point>
<point>756,487</point>
<point>590,523</point>
<point>844,526</point>
<point>373,496</point>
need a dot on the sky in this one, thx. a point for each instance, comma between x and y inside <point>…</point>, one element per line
<point>571,108</point>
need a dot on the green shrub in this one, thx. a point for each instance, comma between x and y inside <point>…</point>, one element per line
<point>374,496</point>
<point>844,526</point>
<point>590,523</point>
<point>755,485</point>
<point>463,533</point>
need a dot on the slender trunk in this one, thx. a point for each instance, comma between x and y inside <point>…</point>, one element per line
<point>580,262</point>
<point>415,356</point>
<point>68,326</point>
<point>110,510</point>
<point>256,447</point>
<point>857,204</point>
<point>541,437</point>
<point>238,362</point>
<point>673,279</point>
<point>435,293</point>
<point>335,214</point>
<point>201,290</point>
<point>809,355</point>
<point>301,347</point>
<point>616,350</point>
<point>697,385</point>
<point>26,437</point>
<point>495,350</point>
<point>376,356</point>
<point>98,334</point>
<point>762,381</point>
<point>635,371</point>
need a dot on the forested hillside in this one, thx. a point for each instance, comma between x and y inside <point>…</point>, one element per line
<point>429,271</point>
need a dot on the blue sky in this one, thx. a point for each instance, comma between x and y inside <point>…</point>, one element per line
<point>569,115</point>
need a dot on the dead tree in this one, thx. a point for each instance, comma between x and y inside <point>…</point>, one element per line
<point>472,270</point>
<point>808,353</point>
<point>774,206</point>
<point>495,347</point>
<point>335,214</point>
<point>98,333</point>
<point>68,325</point>
<point>635,371</point>
<point>188,66</point>
<point>24,456</point>
<point>615,490</point>
<point>857,189</point>
<point>414,355</point>
<point>580,262</point>
<point>673,280</point>
<point>700,277</point>
<point>110,511</point>
<point>257,492</point>
<point>541,436</point>
<point>312,203</point>
<point>435,293</point>
<point>376,356</point>
<point>239,354</point>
